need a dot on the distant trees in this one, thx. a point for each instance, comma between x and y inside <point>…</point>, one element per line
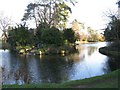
<point>83,33</point>
<point>75,25</point>
<point>92,35</point>
<point>78,28</point>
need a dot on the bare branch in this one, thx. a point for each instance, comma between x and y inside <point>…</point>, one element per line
<point>4,24</point>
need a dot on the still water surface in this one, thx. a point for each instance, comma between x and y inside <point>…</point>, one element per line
<point>22,69</point>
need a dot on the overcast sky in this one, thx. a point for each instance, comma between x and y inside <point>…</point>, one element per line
<point>92,12</point>
<point>89,12</point>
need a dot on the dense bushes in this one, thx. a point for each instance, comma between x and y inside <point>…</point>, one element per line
<point>52,36</point>
<point>19,36</point>
<point>69,35</point>
<point>115,46</point>
<point>22,36</point>
<point>112,32</point>
<point>44,41</point>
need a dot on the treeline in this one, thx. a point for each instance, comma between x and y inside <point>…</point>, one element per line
<point>86,33</point>
<point>21,35</point>
<point>112,32</point>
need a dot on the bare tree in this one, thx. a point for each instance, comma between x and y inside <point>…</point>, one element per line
<point>4,25</point>
<point>107,15</point>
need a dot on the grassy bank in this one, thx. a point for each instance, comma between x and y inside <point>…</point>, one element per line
<point>109,52</point>
<point>105,81</point>
<point>112,50</point>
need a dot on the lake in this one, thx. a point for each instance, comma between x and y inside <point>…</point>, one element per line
<point>21,69</point>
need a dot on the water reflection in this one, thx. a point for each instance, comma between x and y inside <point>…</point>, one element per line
<point>91,50</point>
<point>54,69</point>
<point>91,63</point>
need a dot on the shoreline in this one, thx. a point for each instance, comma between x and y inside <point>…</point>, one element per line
<point>106,51</point>
<point>109,80</point>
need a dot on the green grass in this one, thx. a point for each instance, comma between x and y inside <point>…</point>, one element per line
<point>112,49</point>
<point>105,81</point>
<point>107,51</point>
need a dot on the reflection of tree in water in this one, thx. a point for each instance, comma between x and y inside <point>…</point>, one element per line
<point>80,49</point>
<point>73,57</point>
<point>21,74</point>
<point>54,70</point>
<point>114,63</point>
<point>24,69</point>
<point>91,50</point>
<point>17,73</point>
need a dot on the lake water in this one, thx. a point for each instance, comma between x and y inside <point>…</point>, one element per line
<point>20,69</point>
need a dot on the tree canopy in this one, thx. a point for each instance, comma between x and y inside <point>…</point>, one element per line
<point>112,32</point>
<point>19,36</point>
<point>69,35</point>
<point>53,12</point>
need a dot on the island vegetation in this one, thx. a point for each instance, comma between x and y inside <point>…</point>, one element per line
<point>50,36</point>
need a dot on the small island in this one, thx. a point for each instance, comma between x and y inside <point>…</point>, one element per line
<point>52,55</point>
